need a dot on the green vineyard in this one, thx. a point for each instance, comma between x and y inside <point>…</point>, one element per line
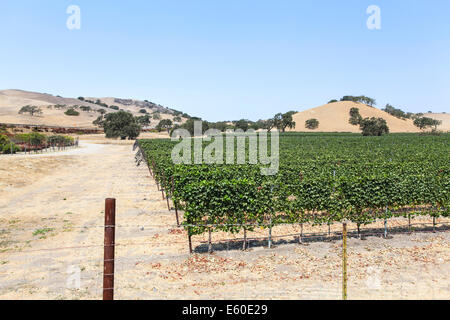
<point>322,179</point>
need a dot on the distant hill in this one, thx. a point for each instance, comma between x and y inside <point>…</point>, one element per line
<point>333,117</point>
<point>444,117</point>
<point>53,108</point>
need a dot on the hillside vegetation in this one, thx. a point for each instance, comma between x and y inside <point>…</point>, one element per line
<point>24,107</point>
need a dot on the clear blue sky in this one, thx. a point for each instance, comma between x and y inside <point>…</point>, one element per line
<point>231,59</point>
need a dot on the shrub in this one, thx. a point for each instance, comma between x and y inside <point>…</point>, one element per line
<point>3,140</point>
<point>373,126</point>
<point>86,108</point>
<point>32,110</point>
<point>312,124</point>
<point>72,112</point>
<point>9,148</point>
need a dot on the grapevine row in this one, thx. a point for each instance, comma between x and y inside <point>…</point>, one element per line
<point>322,179</point>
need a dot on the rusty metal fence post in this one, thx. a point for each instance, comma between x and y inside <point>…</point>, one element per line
<point>108,263</point>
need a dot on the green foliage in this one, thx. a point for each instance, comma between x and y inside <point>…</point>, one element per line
<point>256,125</point>
<point>164,124</point>
<point>60,140</point>
<point>32,110</point>
<point>86,108</point>
<point>99,121</point>
<point>278,120</point>
<point>363,99</point>
<point>398,113</point>
<point>34,138</point>
<point>104,105</point>
<point>332,101</point>
<point>3,139</point>
<point>242,124</point>
<point>9,148</point>
<point>143,120</point>
<point>72,112</point>
<point>355,117</point>
<point>425,122</point>
<point>156,116</point>
<point>268,124</point>
<point>322,178</point>
<point>121,124</point>
<point>177,119</point>
<point>287,121</point>
<point>142,111</point>
<point>42,232</point>
<point>189,125</point>
<point>312,124</point>
<point>373,126</point>
<point>284,120</point>
<point>221,125</point>
<point>114,107</point>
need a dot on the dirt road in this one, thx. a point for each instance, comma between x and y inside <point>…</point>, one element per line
<point>51,243</point>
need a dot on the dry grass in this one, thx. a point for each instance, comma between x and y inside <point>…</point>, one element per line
<point>334,117</point>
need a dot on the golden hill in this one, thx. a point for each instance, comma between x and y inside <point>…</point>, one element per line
<point>333,117</point>
<point>444,117</point>
<point>11,101</point>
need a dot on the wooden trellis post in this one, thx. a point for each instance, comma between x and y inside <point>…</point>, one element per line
<point>344,261</point>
